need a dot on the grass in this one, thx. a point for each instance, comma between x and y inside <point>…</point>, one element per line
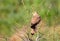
<point>16,13</point>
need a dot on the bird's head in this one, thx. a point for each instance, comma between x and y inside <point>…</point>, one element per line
<point>33,31</point>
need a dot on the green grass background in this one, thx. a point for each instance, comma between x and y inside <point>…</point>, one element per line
<point>19,12</point>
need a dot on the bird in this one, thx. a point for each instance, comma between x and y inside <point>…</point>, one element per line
<point>34,22</point>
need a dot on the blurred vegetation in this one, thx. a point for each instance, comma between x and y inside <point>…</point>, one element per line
<point>19,12</point>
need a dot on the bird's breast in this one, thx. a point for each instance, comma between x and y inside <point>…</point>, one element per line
<point>35,20</point>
